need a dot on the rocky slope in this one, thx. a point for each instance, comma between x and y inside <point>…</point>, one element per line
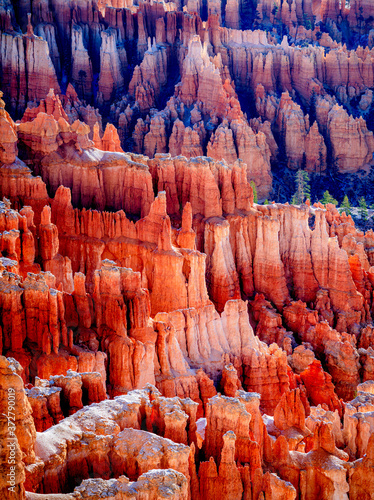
<point>162,335</point>
<point>294,90</point>
<point>122,325</point>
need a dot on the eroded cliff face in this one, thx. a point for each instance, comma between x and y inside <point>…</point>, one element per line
<point>194,80</point>
<point>119,326</point>
<point>163,336</point>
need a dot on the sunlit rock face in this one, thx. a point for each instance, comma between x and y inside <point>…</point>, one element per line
<point>165,332</point>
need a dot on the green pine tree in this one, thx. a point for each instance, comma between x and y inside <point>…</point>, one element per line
<point>345,206</point>
<point>307,22</point>
<point>363,209</point>
<point>266,202</point>
<point>327,198</point>
<point>302,188</point>
<point>255,197</point>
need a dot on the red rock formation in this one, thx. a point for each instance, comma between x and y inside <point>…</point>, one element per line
<point>43,326</point>
<point>360,476</point>
<point>319,388</point>
<point>343,294</point>
<point>206,387</point>
<point>292,465</point>
<point>265,372</point>
<point>169,354</point>
<point>155,140</point>
<point>45,134</point>
<point>149,485</point>
<point>58,265</point>
<point>17,429</point>
<point>221,145</point>
<point>269,324</point>
<point>269,276</point>
<point>110,312</point>
<point>201,81</point>
<point>230,382</point>
<point>315,150</point>
<point>45,404</point>
<point>81,64</point>
<point>110,140</point>
<point>19,186</point>
<point>149,77</point>
<point>226,481</point>
<point>9,486</point>
<point>289,420</point>
<point>351,149</point>
<point>222,279</point>
<point>232,19</point>
<point>147,281</point>
<point>51,105</point>
<point>8,135</point>
<point>299,319</point>
<point>254,151</point>
<point>293,124</point>
<point>123,452</point>
<point>225,414</point>
<point>27,69</point>
<point>71,391</point>
<point>111,79</point>
<point>301,358</point>
<point>274,487</point>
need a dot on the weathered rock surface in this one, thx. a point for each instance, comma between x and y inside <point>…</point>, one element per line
<point>133,267</point>
<point>17,430</point>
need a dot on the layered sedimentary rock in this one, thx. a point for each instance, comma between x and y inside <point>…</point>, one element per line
<point>151,335</point>
<point>118,445</point>
<point>342,129</point>
<point>149,77</point>
<point>140,281</point>
<point>163,484</point>
<point>82,74</point>
<point>111,79</point>
<point>17,430</point>
<point>28,71</point>
<point>231,57</point>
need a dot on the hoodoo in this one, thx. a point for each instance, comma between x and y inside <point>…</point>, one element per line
<point>186,250</point>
